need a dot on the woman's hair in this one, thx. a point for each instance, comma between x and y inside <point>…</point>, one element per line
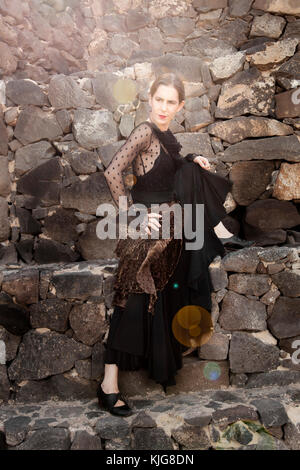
<point>168,79</point>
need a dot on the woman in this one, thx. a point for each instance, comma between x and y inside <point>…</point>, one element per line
<point>145,299</point>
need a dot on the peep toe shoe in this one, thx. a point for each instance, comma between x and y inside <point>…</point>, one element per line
<point>108,400</point>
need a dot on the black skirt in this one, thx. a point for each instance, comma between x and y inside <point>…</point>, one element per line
<point>138,339</point>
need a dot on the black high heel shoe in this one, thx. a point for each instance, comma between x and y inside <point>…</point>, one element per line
<point>108,400</point>
<point>236,241</point>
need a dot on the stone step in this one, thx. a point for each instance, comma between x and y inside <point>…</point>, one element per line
<point>195,375</point>
<point>254,419</point>
<point>199,375</point>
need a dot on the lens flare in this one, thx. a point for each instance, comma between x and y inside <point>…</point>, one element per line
<point>195,330</point>
<point>212,371</point>
<point>192,325</point>
<point>124,90</point>
<point>130,180</point>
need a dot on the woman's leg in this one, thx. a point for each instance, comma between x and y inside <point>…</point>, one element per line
<point>221,231</point>
<point>110,381</point>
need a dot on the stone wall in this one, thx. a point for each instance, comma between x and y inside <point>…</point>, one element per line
<point>55,321</point>
<point>59,129</point>
<point>74,77</point>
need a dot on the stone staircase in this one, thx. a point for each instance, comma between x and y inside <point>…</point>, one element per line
<point>201,412</point>
<point>195,375</point>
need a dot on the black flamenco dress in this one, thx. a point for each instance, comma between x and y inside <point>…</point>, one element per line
<point>139,338</point>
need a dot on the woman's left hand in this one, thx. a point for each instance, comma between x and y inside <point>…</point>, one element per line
<point>202,161</point>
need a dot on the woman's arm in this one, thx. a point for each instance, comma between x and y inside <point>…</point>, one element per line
<point>138,140</point>
<point>199,159</point>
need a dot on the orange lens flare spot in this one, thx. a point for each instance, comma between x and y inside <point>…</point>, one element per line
<point>192,326</point>
<point>130,180</point>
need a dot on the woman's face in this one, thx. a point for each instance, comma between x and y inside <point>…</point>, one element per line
<point>165,104</point>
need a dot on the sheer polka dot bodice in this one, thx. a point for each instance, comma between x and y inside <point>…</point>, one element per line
<point>153,168</point>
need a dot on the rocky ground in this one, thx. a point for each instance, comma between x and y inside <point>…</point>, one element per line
<point>257,418</point>
<point>61,123</point>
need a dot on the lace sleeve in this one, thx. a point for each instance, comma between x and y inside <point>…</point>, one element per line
<point>179,159</point>
<point>190,157</point>
<point>138,140</point>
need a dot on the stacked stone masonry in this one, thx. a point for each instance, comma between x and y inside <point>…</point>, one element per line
<point>54,322</point>
<point>74,78</point>
<point>63,116</point>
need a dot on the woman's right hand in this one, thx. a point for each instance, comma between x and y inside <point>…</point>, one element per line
<point>152,222</point>
<point>202,161</point>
